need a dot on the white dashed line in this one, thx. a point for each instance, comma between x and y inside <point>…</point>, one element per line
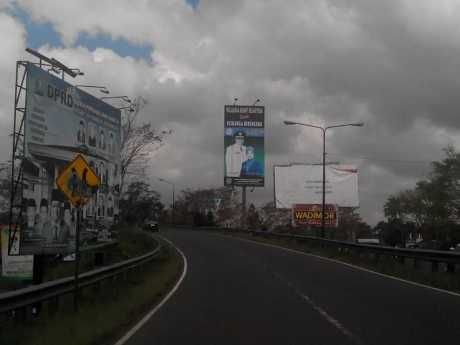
<point>321,311</point>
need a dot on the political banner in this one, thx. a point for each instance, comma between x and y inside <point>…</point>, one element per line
<point>303,184</point>
<point>62,121</point>
<point>244,145</point>
<point>14,266</point>
<point>311,215</point>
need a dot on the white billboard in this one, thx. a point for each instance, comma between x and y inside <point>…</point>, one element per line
<point>302,184</point>
<point>62,121</point>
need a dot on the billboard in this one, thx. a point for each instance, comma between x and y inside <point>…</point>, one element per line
<point>244,145</point>
<point>302,184</point>
<point>62,121</point>
<point>14,266</point>
<point>310,215</point>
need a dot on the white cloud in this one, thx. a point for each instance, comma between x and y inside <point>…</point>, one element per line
<point>12,36</point>
<point>389,64</point>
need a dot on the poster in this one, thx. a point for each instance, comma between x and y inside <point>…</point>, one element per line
<point>303,184</point>
<point>244,145</point>
<point>14,266</point>
<point>62,121</point>
<point>311,215</point>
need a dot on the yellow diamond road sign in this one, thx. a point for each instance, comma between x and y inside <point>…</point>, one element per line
<point>77,180</point>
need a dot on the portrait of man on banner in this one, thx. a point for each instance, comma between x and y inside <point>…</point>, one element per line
<point>235,155</point>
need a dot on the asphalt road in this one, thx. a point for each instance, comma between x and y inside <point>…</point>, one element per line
<point>237,292</point>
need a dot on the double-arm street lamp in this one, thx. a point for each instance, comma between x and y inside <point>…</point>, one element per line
<point>324,130</point>
<point>124,98</point>
<point>173,200</point>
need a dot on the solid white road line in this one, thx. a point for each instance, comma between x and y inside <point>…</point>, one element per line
<point>345,264</point>
<point>141,323</point>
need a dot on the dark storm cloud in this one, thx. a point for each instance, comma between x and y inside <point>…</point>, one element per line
<point>391,64</point>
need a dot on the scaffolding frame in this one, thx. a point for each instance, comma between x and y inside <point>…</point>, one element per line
<point>17,153</point>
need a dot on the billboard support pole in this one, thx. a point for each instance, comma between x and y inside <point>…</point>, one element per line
<point>77,258</point>
<point>243,216</point>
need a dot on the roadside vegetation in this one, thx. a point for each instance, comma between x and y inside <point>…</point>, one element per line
<point>105,313</point>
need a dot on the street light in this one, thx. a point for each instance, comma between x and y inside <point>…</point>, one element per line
<point>124,98</point>
<point>131,109</point>
<point>323,129</point>
<point>173,200</point>
<point>77,71</point>
<point>102,89</point>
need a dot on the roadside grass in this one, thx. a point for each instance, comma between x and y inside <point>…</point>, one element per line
<point>386,265</point>
<point>131,242</point>
<point>105,313</point>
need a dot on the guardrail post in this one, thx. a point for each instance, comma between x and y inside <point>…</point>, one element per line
<point>53,306</point>
<point>376,257</point>
<point>97,287</point>
<point>20,315</point>
<point>98,259</point>
<point>416,263</point>
<point>114,282</point>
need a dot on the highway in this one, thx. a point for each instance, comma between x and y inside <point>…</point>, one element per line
<point>237,292</point>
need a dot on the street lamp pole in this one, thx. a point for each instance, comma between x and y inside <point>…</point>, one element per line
<point>323,204</point>
<point>324,130</point>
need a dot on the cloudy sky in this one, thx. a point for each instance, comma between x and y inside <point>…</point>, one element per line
<point>393,64</point>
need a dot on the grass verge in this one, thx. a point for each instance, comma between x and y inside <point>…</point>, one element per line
<point>386,265</point>
<point>131,242</point>
<point>104,315</point>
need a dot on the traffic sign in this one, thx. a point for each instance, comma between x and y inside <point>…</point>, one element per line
<point>77,180</point>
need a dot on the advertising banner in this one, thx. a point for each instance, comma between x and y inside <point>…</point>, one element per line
<point>244,145</point>
<point>302,184</point>
<point>62,121</point>
<point>310,215</point>
<point>14,266</point>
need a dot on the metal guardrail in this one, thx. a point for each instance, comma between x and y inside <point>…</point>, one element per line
<point>436,257</point>
<point>30,296</point>
<point>98,246</point>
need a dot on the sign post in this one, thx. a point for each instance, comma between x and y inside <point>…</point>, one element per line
<point>77,258</point>
<point>78,182</point>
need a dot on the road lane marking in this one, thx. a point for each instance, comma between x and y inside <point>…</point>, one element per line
<point>142,322</point>
<point>333,321</point>
<point>455,294</point>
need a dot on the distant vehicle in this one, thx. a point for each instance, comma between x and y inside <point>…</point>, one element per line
<point>435,245</point>
<point>455,248</point>
<point>152,226</point>
<point>374,241</point>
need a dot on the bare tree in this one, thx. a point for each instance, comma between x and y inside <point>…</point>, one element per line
<point>138,141</point>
